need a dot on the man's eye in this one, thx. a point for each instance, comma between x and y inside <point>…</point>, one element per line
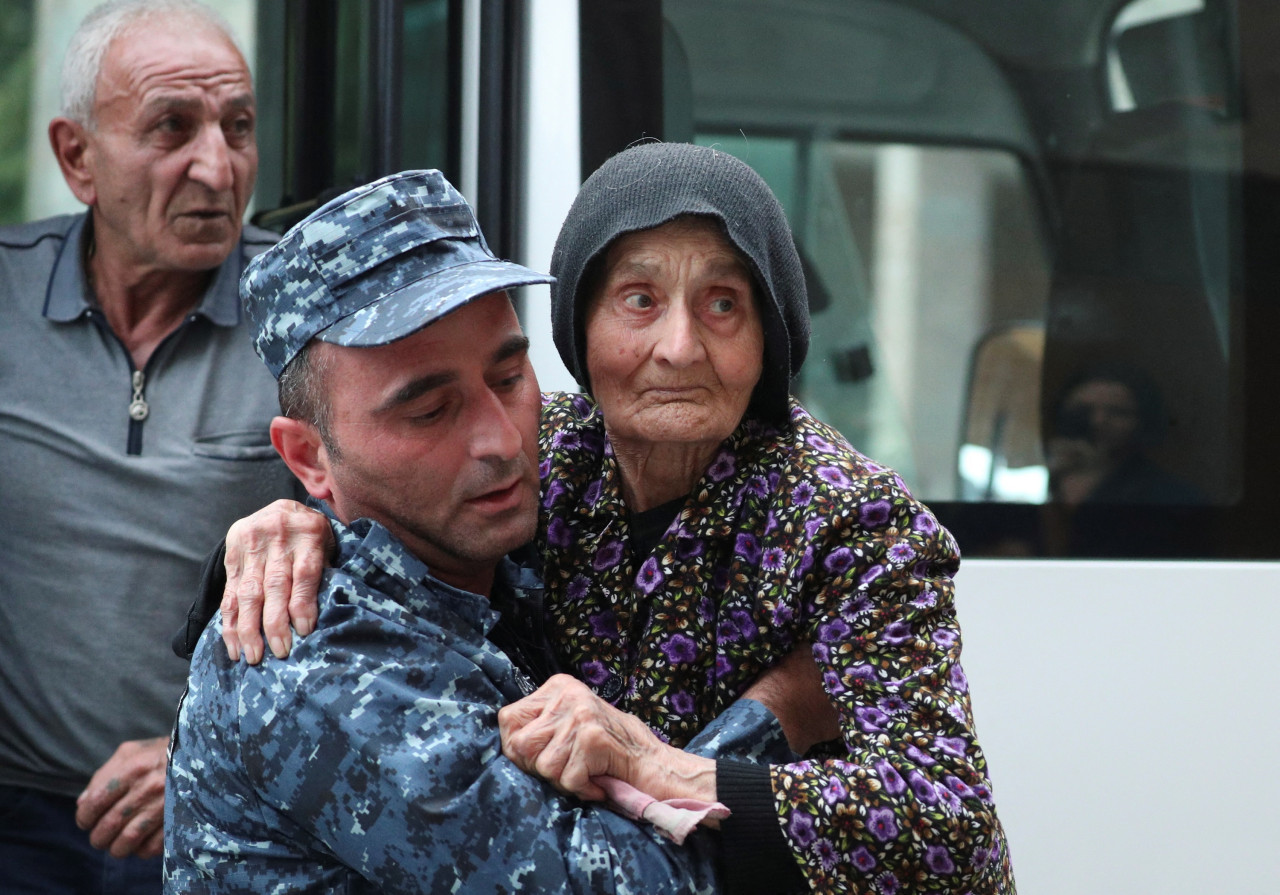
<point>638,300</point>
<point>241,127</point>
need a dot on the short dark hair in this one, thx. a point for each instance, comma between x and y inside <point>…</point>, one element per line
<point>303,391</point>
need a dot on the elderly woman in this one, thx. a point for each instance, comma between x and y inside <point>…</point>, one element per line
<point>698,525</point>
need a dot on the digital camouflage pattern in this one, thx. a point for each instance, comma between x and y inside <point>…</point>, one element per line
<point>790,535</point>
<point>369,760</point>
<point>374,265</point>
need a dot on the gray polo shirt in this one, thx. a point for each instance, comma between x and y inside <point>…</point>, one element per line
<point>107,515</point>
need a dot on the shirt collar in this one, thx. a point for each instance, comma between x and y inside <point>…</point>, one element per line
<point>68,297</point>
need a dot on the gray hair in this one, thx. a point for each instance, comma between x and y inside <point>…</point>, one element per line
<point>304,393</point>
<point>82,65</point>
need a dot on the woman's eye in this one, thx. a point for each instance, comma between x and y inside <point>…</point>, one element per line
<point>722,305</point>
<point>638,300</point>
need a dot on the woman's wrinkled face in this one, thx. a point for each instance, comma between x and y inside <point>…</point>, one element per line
<point>675,343</point>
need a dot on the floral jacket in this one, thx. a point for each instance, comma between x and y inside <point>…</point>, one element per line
<point>790,535</point>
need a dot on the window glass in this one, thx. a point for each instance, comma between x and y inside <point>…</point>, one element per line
<point>1023,255</point>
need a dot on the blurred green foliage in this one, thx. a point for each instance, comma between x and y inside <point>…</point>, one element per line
<point>17,23</point>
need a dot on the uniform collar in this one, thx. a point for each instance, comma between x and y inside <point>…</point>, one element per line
<point>68,297</point>
<point>368,551</point>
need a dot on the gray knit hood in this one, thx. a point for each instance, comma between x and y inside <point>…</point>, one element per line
<point>651,184</point>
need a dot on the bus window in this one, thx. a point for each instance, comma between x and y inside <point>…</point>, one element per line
<point>1022,237</point>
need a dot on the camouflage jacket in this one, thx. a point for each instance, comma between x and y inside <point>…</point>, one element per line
<point>369,760</point>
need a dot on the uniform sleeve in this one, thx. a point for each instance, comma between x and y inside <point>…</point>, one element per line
<point>384,753</point>
<point>909,805</point>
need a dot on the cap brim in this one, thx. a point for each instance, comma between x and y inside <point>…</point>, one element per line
<point>420,303</point>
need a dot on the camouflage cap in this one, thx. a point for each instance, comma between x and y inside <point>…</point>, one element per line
<point>372,266</point>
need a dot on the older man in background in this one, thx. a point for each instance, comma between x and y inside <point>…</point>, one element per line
<point>133,428</point>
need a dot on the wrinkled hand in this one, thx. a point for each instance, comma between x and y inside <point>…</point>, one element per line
<point>274,562</point>
<point>792,691</point>
<point>566,735</point>
<point>123,805</point>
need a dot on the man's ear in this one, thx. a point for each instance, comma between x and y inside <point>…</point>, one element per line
<point>70,142</point>
<point>303,451</point>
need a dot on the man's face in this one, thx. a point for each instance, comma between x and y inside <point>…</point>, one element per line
<point>172,159</point>
<point>438,439</point>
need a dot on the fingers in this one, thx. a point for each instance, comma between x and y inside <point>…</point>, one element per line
<point>275,559</point>
<point>123,806</point>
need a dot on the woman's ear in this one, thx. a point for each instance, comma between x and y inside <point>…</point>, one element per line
<point>300,446</point>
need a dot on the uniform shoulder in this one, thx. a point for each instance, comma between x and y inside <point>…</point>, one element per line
<point>32,233</point>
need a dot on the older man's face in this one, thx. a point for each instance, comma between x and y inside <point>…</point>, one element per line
<point>173,156</point>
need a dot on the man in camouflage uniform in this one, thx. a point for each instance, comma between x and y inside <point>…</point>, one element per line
<point>369,759</point>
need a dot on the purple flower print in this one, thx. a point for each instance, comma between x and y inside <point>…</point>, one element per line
<point>805,564</point>
<point>902,552</point>
<point>774,559</point>
<point>882,824</point>
<point>689,548</point>
<point>782,615</point>
<point>608,555</point>
<point>812,526</point>
<point>650,576</point>
<point>554,490</point>
<point>898,633</point>
<point>950,799</point>
<point>592,494</point>
<point>681,703</point>
<point>937,860</point>
<point>952,745</point>
<point>863,860</point>
<point>581,406</point>
<point>834,631</point>
<point>920,757</point>
<point>745,624</point>
<point>604,624</point>
<point>838,561</point>
<point>680,649</point>
<point>871,720</point>
<point>835,791</point>
<point>756,486</point>
<point>594,673</point>
<point>827,854</point>
<point>831,680</point>
<point>801,828</point>
<point>892,780</point>
<point>874,513</point>
<point>956,710</point>
<point>834,475</point>
<point>563,439</point>
<point>817,442</point>
<point>893,705</point>
<point>578,587</point>
<point>958,786</point>
<point>922,787</point>
<point>801,494</point>
<point>925,523</point>
<point>558,533</point>
<point>945,638</point>
<point>723,667</point>
<point>722,467</point>
<point>862,672</point>
<point>747,547</point>
<point>544,469</point>
<point>926,600</point>
<point>887,883</point>
<point>958,678</point>
<point>871,574</point>
<point>770,523</point>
